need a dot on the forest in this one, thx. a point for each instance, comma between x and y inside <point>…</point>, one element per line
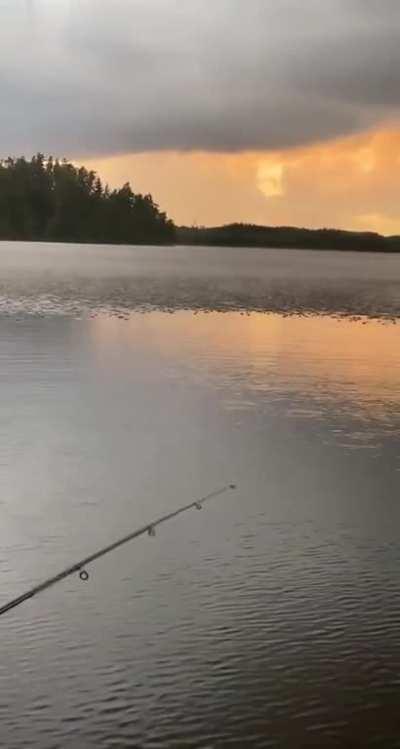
<point>47,199</point>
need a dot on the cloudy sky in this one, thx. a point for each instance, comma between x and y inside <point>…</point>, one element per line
<point>273,111</point>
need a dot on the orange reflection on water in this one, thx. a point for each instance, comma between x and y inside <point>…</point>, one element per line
<point>355,360</point>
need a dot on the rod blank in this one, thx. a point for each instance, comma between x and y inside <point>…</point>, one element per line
<point>79,567</point>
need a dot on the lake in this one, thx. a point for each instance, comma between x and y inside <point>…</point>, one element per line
<point>136,380</point>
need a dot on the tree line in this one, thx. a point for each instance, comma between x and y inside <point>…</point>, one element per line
<point>48,199</point>
<point>251,235</point>
<point>51,199</point>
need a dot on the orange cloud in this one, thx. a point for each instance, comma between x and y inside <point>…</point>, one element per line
<point>349,183</point>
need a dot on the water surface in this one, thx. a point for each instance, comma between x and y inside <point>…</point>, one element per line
<point>76,279</point>
<point>269,619</point>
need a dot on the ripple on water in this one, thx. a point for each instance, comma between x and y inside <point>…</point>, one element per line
<point>269,620</point>
<point>75,280</point>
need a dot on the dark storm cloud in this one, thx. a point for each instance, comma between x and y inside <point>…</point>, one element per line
<point>90,76</point>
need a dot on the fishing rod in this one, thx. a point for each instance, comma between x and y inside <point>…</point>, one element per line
<point>80,567</point>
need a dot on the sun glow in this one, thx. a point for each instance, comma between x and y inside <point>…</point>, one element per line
<point>350,183</point>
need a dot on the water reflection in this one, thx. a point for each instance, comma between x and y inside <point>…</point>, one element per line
<point>309,368</point>
<point>236,626</point>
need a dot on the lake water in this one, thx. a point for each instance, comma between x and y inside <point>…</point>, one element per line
<point>135,380</point>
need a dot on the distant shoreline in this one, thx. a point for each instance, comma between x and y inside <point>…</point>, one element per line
<point>46,199</point>
<point>287,237</point>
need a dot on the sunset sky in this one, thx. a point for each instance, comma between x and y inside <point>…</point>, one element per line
<point>269,111</point>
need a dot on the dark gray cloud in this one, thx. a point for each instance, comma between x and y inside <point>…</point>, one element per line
<point>94,77</point>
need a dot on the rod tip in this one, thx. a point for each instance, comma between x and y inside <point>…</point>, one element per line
<point>232,486</point>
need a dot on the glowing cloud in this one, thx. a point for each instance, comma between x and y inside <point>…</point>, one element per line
<point>350,183</point>
<point>270,178</point>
